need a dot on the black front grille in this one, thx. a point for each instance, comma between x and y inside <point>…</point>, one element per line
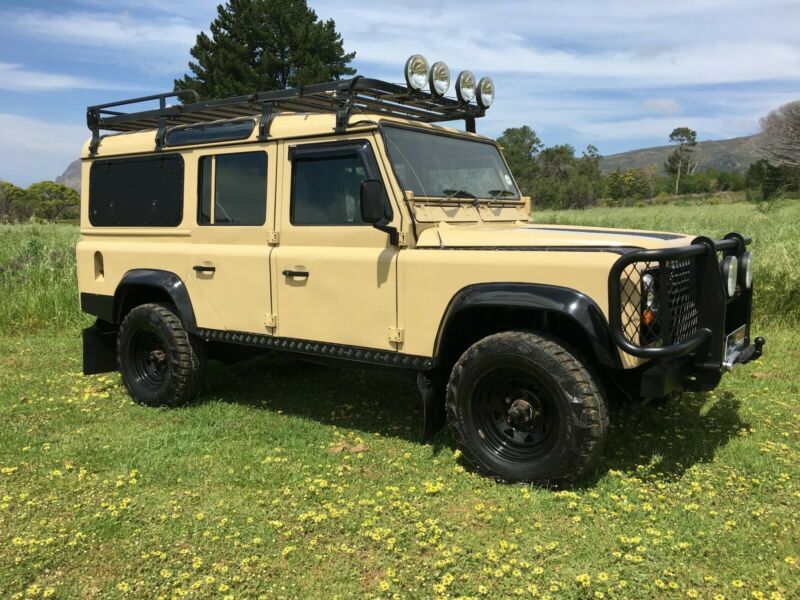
<point>684,318</point>
<point>673,286</point>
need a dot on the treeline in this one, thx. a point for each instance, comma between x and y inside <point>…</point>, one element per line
<point>45,200</point>
<point>555,177</point>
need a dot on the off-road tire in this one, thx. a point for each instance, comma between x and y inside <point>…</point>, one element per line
<point>560,382</point>
<point>174,377</point>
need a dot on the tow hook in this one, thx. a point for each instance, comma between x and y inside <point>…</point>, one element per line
<point>759,345</point>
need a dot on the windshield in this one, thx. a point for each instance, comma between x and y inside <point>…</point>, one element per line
<point>432,164</point>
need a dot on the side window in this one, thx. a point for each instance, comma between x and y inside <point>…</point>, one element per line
<point>326,189</point>
<point>232,189</point>
<point>144,191</point>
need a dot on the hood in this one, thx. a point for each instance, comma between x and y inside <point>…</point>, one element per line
<point>530,235</point>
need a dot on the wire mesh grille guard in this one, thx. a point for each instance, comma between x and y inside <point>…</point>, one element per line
<point>669,287</point>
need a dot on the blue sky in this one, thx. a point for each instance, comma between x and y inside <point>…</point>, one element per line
<point>616,74</point>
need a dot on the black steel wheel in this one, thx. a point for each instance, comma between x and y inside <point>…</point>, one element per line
<point>523,408</point>
<point>515,412</point>
<point>160,363</point>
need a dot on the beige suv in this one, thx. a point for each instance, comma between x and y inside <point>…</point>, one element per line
<point>339,222</point>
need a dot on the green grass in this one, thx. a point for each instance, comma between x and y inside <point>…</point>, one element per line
<point>297,481</point>
<point>38,287</point>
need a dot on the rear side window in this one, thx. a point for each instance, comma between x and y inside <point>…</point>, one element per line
<point>233,189</point>
<point>144,191</point>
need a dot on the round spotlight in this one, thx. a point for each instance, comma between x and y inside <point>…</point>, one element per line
<point>485,92</point>
<point>439,79</point>
<point>730,273</point>
<point>465,87</point>
<point>417,72</point>
<point>746,271</point>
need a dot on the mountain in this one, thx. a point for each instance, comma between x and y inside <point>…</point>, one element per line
<point>735,154</point>
<point>71,177</point>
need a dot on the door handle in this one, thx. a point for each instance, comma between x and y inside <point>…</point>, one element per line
<point>204,268</point>
<point>291,273</point>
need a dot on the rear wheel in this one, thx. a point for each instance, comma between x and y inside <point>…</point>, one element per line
<point>523,408</point>
<point>160,363</point>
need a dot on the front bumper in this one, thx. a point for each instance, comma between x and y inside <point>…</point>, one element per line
<point>699,332</point>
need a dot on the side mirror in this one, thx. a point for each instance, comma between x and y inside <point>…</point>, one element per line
<point>371,201</point>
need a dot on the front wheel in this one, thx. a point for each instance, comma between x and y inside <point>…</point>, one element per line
<point>160,363</point>
<point>523,408</point>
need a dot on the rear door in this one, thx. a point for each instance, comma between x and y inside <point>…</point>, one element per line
<point>334,276</point>
<point>229,255</point>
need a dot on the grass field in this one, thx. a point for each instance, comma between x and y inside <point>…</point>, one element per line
<point>297,481</point>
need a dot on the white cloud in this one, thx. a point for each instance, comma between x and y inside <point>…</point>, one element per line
<point>666,106</point>
<point>583,44</point>
<point>32,149</point>
<point>161,45</point>
<point>15,77</point>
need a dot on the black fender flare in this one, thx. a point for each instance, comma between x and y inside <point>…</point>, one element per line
<point>164,281</point>
<point>575,305</point>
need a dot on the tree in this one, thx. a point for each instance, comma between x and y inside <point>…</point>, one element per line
<point>779,140</point>
<point>13,203</point>
<point>631,184</point>
<point>680,161</point>
<point>769,181</point>
<point>555,161</point>
<point>262,45</point>
<point>521,145</point>
<point>51,200</point>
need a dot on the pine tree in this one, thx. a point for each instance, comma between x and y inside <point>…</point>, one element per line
<point>262,45</point>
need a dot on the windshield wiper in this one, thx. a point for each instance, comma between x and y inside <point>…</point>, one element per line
<point>460,194</point>
<point>498,193</point>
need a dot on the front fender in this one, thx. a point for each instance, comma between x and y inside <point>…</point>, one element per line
<point>567,302</point>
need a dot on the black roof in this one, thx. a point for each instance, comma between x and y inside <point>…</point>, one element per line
<point>342,98</point>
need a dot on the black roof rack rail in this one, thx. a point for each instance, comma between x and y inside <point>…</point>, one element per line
<point>340,97</point>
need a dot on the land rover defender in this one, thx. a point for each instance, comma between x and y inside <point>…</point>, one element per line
<point>343,222</point>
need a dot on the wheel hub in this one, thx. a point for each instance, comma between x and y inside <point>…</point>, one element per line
<point>521,412</point>
<point>156,357</point>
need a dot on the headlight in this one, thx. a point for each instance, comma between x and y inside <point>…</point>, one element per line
<point>485,92</point>
<point>746,271</point>
<point>649,309</point>
<point>417,72</point>
<point>648,294</point>
<point>730,273</point>
<point>439,79</point>
<point>465,87</point>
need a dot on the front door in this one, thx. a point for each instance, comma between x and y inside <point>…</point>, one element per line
<point>335,277</point>
<point>229,264</point>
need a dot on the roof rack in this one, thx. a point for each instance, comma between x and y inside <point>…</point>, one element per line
<point>339,97</point>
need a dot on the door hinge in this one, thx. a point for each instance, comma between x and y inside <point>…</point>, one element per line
<point>270,321</point>
<point>396,335</point>
<point>402,239</point>
<point>273,238</point>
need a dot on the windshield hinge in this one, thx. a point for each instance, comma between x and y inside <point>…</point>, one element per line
<point>273,238</point>
<point>396,335</point>
<point>270,321</point>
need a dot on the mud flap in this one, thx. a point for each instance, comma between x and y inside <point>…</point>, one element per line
<point>99,349</point>
<point>432,390</point>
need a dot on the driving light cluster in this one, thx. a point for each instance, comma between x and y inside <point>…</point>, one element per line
<point>419,76</point>
<point>737,273</point>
